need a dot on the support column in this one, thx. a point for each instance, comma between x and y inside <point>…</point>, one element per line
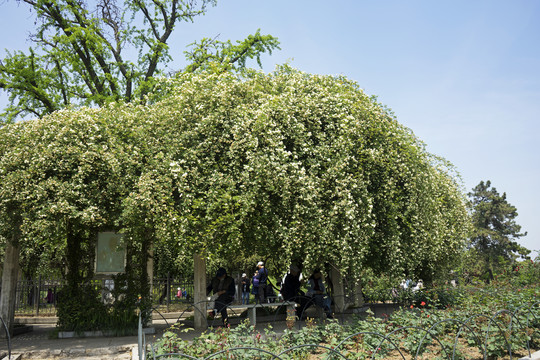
<point>358,296</point>
<point>339,292</point>
<point>168,290</point>
<point>150,268</point>
<point>199,291</point>
<point>9,287</point>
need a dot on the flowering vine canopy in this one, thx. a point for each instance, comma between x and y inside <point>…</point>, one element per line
<point>287,164</point>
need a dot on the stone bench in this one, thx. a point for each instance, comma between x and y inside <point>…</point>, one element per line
<point>252,308</point>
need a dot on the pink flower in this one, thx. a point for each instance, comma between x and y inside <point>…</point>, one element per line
<point>422,303</point>
<point>412,306</point>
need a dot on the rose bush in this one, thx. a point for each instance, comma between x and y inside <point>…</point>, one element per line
<point>471,328</point>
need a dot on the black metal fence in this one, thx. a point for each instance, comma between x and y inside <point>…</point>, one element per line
<point>37,297</point>
<point>170,291</point>
<point>40,296</point>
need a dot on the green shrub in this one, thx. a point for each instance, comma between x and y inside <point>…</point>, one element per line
<point>79,309</point>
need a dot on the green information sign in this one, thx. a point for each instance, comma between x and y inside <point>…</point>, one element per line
<point>110,253</point>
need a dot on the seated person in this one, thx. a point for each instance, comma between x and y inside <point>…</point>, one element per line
<point>222,285</point>
<point>317,292</point>
<point>290,287</point>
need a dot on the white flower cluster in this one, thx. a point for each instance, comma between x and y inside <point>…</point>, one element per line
<point>291,163</point>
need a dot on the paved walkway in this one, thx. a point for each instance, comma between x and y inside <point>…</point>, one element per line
<point>534,356</point>
<point>38,344</point>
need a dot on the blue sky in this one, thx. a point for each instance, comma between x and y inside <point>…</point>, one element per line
<point>463,75</point>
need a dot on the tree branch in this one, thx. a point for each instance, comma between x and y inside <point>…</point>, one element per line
<point>61,23</point>
<point>83,22</point>
<point>148,17</point>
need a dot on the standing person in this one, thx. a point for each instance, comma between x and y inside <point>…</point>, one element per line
<point>50,296</point>
<point>262,275</point>
<point>245,289</point>
<point>255,287</point>
<point>222,285</point>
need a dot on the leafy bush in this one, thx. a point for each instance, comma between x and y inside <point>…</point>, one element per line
<point>79,309</point>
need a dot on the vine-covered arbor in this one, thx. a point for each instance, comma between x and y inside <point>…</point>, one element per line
<point>214,166</point>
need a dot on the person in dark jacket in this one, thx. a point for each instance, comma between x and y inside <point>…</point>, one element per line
<point>291,285</point>
<point>262,275</point>
<point>223,286</point>
<point>245,285</point>
<point>255,287</point>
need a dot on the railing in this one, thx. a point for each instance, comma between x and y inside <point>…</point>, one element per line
<point>171,291</point>
<point>40,297</point>
<point>37,297</point>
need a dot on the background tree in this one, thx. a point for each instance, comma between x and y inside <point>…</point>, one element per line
<point>79,53</point>
<point>494,231</point>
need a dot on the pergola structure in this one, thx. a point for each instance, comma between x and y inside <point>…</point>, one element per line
<point>301,165</point>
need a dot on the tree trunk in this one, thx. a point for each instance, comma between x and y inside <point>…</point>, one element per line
<point>150,269</point>
<point>9,287</point>
<point>199,289</point>
<point>145,286</point>
<point>73,259</point>
<point>358,295</point>
<point>339,291</point>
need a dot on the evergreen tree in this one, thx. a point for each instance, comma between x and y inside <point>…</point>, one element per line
<point>495,231</point>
